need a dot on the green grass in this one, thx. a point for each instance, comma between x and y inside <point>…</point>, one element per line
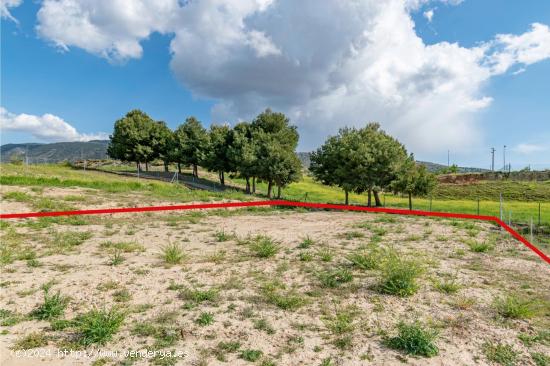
<point>251,355</point>
<point>334,278</point>
<point>173,254</point>
<point>502,354</point>
<point>53,306</point>
<point>399,275</point>
<point>414,339</point>
<point>263,246</point>
<point>98,326</point>
<point>515,307</point>
<point>205,319</point>
<point>32,340</point>
<point>365,259</point>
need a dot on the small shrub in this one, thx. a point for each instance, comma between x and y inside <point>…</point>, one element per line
<point>251,355</point>
<point>52,307</point>
<point>32,340</point>
<point>98,326</point>
<point>399,275</point>
<point>414,339</point>
<point>503,354</point>
<point>364,259</point>
<point>173,254</point>
<point>116,258</point>
<point>514,307</point>
<point>263,246</point>
<point>335,278</point>
<point>205,319</point>
<point>306,243</point>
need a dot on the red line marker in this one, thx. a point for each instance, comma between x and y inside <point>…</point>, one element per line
<point>329,206</point>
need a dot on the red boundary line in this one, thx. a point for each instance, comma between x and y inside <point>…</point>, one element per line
<point>329,206</point>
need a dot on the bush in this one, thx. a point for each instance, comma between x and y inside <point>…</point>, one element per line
<point>399,275</point>
<point>98,326</point>
<point>514,307</point>
<point>263,246</point>
<point>414,339</point>
<point>52,308</point>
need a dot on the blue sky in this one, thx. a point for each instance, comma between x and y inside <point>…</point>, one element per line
<point>433,73</point>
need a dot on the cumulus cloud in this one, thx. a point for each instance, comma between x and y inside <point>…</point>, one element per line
<point>429,14</point>
<point>47,127</point>
<point>5,6</point>
<point>526,149</point>
<point>326,64</point>
<point>110,28</point>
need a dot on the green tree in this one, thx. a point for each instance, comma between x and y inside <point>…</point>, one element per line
<point>413,179</point>
<point>217,155</point>
<point>342,161</point>
<point>191,140</point>
<point>131,138</point>
<point>275,141</point>
<point>241,152</point>
<point>162,143</point>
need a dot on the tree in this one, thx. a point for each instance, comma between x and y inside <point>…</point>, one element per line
<point>385,156</point>
<point>191,143</point>
<point>342,161</point>
<point>241,152</point>
<point>131,138</point>
<point>413,179</point>
<point>275,141</point>
<point>162,142</point>
<point>217,155</point>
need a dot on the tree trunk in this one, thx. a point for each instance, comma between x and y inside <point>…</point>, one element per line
<point>410,201</point>
<point>146,166</point>
<point>377,199</point>
<point>195,171</point>
<point>223,178</point>
<point>254,185</point>
<point>369,199</point>
<point>179,168</point>
<point>278,192</point>
<point>137,165</point>
<point>247,185</point>
<point>269,188</point>
<point>347,196</point>
<point>166,166</point>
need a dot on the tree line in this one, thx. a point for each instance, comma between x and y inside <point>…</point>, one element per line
<point>264,149</point>
<point>369,160</point>
<point>356,160</point>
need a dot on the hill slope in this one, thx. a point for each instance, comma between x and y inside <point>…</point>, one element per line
<point>55,152</point>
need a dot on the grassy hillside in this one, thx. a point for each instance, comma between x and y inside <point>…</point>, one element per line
<point>521,200</point>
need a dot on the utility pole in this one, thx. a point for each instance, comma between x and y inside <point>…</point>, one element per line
<point>492,159</point>
<point>504,157</point>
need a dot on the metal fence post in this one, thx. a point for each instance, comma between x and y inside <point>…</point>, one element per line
<point>531,230</point>
<point>478,206</point>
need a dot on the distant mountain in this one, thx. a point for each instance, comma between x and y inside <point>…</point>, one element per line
<point>432,167</point>
<point>54,152</point>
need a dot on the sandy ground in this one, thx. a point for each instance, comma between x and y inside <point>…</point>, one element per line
<point>465,320</point>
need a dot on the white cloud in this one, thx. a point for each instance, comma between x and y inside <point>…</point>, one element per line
<point>5,6</point>
<point>429,14</point>
<point>526,149</point>
<point>110,28</point>
<point>44,128</point>
<point>327,64</point>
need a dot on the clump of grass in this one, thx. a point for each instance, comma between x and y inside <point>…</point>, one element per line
<point>173,254</point>
<point>336,277</point>
<point>325,254</point>
<point>447,286</point>
<point>284,299</point>
<point>414,339</point>
<point>503,354</point>
<point>263,246</point>
<point>306,243</point>
<point>263,324</point>
<point>342,325</point>
<point>542,337</point>
<point>515,307</point>
<point>122,295</point>
<point>226,347</point>
<point>53,306</point>
<point>17,196</point>
<point>222,236</point>
<point>67,241</point>
<point>365,259</point>
<point>98,326</point>
<point>399,275</point>
<point>540,359</point>
<point>9,318</point>
<point>198,296</point>
<point>116,258</point>
<point>251,355</point>
<point>305,256</point>
<point>479,247</point>
<point>32,340</point>
<point>123,246</point>
<point>350,235</point>
<point>204,319</point>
